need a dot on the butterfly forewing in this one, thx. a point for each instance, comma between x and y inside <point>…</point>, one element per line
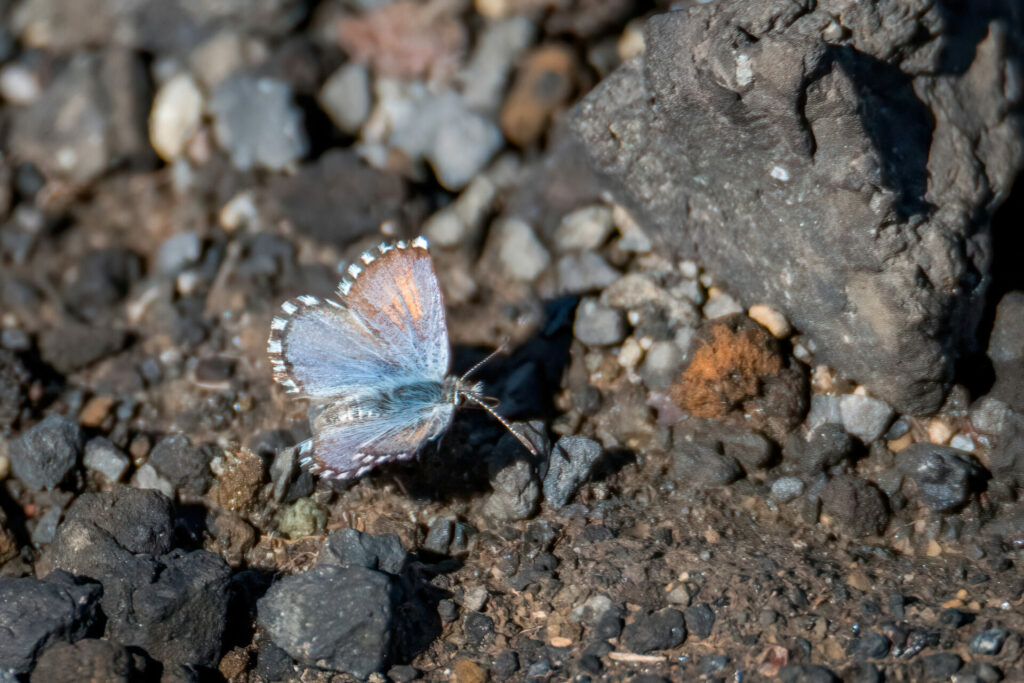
<point>397,296</point>
<point>322,350</point>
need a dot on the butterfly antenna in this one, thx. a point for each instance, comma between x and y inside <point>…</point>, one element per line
<point>496,352</point>
<point>512,430</point>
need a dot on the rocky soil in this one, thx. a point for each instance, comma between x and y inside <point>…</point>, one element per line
<point>755,264</point>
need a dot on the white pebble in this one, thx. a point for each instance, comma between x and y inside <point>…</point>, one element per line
<point>175,117</point>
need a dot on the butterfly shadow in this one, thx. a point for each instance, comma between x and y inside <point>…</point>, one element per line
<point>524,383</point>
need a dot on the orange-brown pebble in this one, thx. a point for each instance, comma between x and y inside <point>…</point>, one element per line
<point>542,87</point>
<point>468,671</point>
<point>96,411</point>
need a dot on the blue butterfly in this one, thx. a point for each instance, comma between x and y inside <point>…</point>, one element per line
<point>376,360</point>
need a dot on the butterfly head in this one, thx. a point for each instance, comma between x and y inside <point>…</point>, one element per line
<point>458,390</point>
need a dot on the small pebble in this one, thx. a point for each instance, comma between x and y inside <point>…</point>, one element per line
<point>106,459</point>
<point>662,365</point>
<point>520,254</point>
<point>771,319</point>
<point>95,411</point>
<point>864,417</point>
<point>178,251</point>
<point>257,123</point>
<point>785,489</point>
<point>721,305</point>
<point>175,117</point>
<point>580,273</point>
<point>597,325</point>
<point>19,85</point>
<point>940,431</point>
<point>632,237</point>
<point>346,97</point>
<point>630,354</point>
<point>989,642</point>
<point>584,229</point>
<point>146,477</point>
<point>462,220</point>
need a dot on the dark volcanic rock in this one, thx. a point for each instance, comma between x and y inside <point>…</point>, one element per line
<point>171,604</point>
<point>818,449</point>
<point>72,346</point>
<point>336,618</point>
<point>944,476</point>
<point>660,630</point>
<point>36,613</point>
<point>138,520</point>
<point>352,548</point>
<point>569,466</point>
<point>104,277</point>
<point>186,466</point>
<point>1006,349</point>
<point>45,454</point>
<point>858,506</point>
<point>844,173</point>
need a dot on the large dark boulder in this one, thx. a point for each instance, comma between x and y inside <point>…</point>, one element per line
<point>839,161</point>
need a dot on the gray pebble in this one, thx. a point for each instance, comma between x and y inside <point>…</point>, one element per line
<point>184,465</point>
<point>498,46</point>
<point>178,251</point>
<point>662,365</point>
<point>584,229</point>
<point>944,475</point>
<point>463,143</point>
<point>989,642</point>
<point>633,291</point>
<point>353,548</point>
<point>818,449</point>
<point>824,410</point>
<point>597,325</point>
<point>257,123</point>
<point>146,477</point>
<point>55,609</point>
<point>336,618</point>
<point>584,272</point>
<point>519,253</point>
<point>721,305</point>
<point>785,489</point>
<point>864,417</point>
<point>43,456</point>
<point>346,97</point>
<point>105,459</point>
<point>570,465</point>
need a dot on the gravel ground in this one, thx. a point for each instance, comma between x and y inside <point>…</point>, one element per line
<point>777,390</point>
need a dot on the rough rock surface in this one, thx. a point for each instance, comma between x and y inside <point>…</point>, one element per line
<point>172,604</point>
<point>839,164</point>
<point>46,611</point>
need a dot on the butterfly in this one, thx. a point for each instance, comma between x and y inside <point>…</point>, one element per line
<point>376,360</point>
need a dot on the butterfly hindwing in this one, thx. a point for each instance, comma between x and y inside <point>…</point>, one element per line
<point>352,437</point>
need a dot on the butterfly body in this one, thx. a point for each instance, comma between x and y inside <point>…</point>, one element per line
<point>375,361</point>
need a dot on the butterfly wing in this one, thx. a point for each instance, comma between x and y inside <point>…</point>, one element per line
<point>390,324</point>
<point>352,437</point>
<point>322,350</point>
<point>397,296</point>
